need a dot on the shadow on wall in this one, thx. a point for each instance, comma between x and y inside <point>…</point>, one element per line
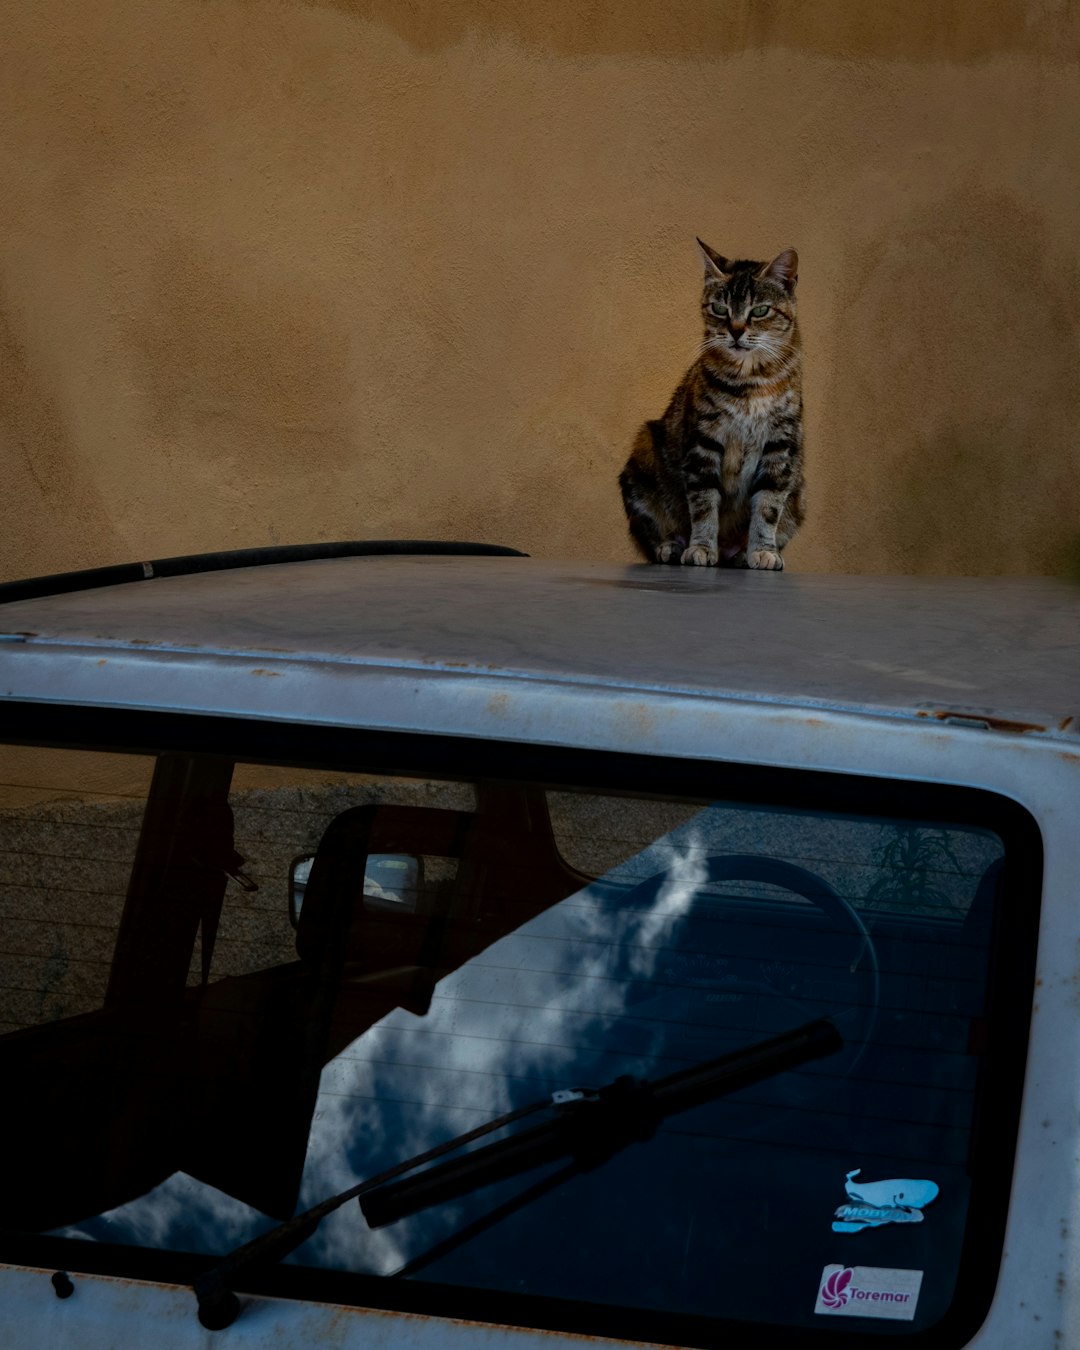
<point>1072,559</point>
<point>955,396</point>
<point>918,30</point>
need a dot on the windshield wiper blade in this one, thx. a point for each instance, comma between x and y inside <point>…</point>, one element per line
<point>628,1110</point>
<point>592,1126</point>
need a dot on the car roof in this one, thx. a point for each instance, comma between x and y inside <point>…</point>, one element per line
<point>1004,651</point>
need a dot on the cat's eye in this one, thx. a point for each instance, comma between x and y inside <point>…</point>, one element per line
<point>759,311</point>
<point>721,311</point>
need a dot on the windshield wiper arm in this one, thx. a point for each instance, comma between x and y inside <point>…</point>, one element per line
<point>214,1288</point>
<point>592,1126</point>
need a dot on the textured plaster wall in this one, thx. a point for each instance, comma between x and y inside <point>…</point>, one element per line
<point>274,272</point>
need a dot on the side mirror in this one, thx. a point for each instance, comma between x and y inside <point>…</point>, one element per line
<point>392,883</point>
<point>299,871</point>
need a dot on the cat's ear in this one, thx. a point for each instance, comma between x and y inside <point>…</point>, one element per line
<point>715,264</point>
<point>784,269</point>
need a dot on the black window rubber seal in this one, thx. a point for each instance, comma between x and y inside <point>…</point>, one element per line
<point>61,583</point>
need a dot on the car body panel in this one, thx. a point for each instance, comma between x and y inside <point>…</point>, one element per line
<point>1007,651</point>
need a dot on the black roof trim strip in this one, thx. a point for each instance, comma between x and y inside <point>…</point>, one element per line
<point>33,588</point>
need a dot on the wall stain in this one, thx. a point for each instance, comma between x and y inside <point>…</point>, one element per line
<point>255,366</point>
<point>34,430</point>
<point>918,30</point>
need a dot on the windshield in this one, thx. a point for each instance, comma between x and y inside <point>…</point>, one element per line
<point>256,987</point>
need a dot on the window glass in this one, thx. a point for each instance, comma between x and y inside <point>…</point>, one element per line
<point>258,986</point>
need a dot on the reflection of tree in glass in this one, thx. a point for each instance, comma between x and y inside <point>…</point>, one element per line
<point>913,859</point>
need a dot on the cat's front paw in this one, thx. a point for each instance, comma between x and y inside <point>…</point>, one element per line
<point>765,560</point>
<point>699,556</point>
<point>669,551</point>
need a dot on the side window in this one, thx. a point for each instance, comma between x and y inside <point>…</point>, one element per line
<point>69,828</point>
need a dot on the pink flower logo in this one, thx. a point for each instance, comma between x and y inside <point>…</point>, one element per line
<point>834,1292</point>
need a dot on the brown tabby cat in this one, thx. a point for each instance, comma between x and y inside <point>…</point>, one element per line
<point>719,478</point>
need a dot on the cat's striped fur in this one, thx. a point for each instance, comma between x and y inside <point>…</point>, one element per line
<point>719,478</point>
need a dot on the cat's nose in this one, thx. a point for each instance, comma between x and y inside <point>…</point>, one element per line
<point>736,333</point>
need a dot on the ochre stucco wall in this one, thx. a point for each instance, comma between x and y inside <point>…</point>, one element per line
<point>274,272</point>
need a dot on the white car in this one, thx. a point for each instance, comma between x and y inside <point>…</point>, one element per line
<point>424,944</point>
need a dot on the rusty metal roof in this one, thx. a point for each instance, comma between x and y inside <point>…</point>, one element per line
<point>331,640</point>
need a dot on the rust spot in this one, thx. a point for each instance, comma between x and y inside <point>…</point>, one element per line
<point>103,662</point>
<point>275,674</point>
<point>986,720</point>
<point>639,717</point>
<point>1066,723</point>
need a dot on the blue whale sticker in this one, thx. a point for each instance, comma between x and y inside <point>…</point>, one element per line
<point>874,1203</point>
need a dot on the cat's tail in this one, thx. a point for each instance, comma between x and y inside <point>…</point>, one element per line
<point>640,487</point>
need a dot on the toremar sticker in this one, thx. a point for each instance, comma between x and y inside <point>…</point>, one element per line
<point>874,1203</point>
<point>869,1291</point>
